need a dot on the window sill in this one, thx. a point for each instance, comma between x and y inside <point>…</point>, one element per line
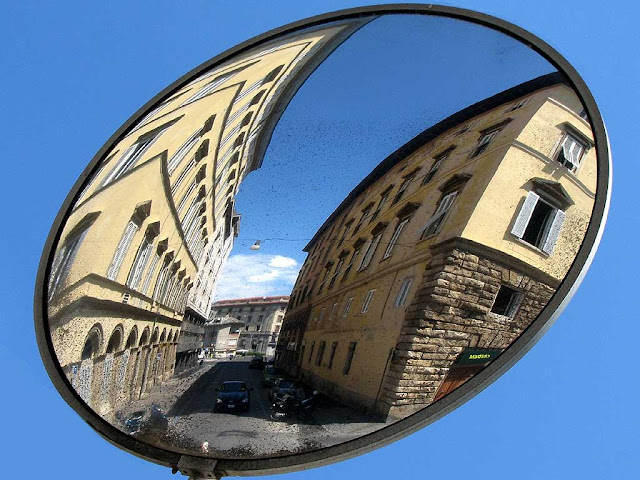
<point>531,247</point>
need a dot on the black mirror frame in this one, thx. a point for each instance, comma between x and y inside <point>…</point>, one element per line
<point>209,467</point>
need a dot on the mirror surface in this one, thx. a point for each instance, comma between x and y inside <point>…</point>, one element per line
<point>321,236</point>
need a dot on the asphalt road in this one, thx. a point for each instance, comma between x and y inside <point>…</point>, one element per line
<point>194,424</point>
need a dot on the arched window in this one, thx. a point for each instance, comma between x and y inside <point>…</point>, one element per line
<point>144,338</point>
<point>132,338</point>
<point>92,343</point>
<point>115,341</point>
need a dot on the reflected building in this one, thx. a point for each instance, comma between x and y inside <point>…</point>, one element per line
<point>221,336</point>
<point>261,319</point>
<point>444,254</point>
<point>135,271</point>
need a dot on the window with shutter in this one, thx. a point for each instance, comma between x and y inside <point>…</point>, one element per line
<point>347,307</point>
<point>63,260</point>
<point>394,238</point>
<point>182,152</point>
<point>371,249</point>
<point>433,224</point>
<point>152,268</point>
<point>404,292</point>
<point>367,301</point>
<point>570,152</point>
<point>121,250</point>
<point>133,154</point>
<point>139,263</point>
<point>538,223</point>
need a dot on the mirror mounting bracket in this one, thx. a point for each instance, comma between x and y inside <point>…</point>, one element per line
<point>197,468</point>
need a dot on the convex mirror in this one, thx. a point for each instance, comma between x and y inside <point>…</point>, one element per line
<point>323,239</point>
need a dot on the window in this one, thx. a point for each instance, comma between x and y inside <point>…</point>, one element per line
<point>367,301</point>
<point>132,155</point>
<point>570,152</point>
<point>365,214</point>
<point>320,353</point>
<point>403,187</point>
<point>383,199</point>
<point>209,87</point>
<point>433,225</point>
<point>333,311</point>
<point>313,344</point>
<point>347,307</point>
<point>64,256</point>
<point>438,159</point>
<point>336,272</point>
<point>140,262</point>
<point>519,104</point>
<point>332,354</point>
<point>486,138</point>
<point>356,252</point>
<point>122,248</point>
<point>394,238</point>
<point>507,302</point>
<point>182,152</point>
<point>371,249</point>
<point>538,223</point>
<point>345,231</point>
<point>401,299</point>
<point>351,352</point>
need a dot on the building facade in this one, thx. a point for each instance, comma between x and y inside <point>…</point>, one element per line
<point>221,336</point>
<point>444,254</point>
<point>189,345</point>
<point>261,319</point>
<point>153,227</point>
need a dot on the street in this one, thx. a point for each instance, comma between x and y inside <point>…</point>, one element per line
<point>189,403</point>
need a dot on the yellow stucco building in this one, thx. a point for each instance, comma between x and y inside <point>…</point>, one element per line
<point>148,235</point>
<point>442,256</point>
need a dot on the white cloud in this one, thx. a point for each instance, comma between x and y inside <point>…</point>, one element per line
<point>278,261</point>
<point>257,275</point>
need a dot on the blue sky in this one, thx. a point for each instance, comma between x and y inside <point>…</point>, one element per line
<point>351,114</point>
<point>73,72</point>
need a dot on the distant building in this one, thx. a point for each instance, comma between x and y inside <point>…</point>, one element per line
<point>444,254</point>
<point>190,342</point>
<point>221,336</point>
<point>261,318</point>
<point>150,232</point>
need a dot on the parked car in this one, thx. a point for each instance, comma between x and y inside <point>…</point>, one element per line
<point>256,362</point>
<point>283,386</point>
<point>270,375</point>
<point>233,396</point>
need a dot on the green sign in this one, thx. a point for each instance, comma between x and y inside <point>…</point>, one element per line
<point>476,356</point>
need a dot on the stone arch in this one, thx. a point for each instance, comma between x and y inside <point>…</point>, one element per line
<point>176,337</point>
<point>170,337</point>
<point>115,340</point>
<point>163,336</point>
<point>92,342</point>
<point>154,337</point>
<point>132,338</point>
<point>144,338</point>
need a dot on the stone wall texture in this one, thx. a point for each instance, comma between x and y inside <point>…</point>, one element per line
<point>451,311</point>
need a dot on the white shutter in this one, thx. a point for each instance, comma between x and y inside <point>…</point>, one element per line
<point>179,155</point>
<point>525,214</point>
<point>140,262</point>
<point>121,251</point>
<point>554,232</point>
<point>441,211</point>
<point>394,238</point>
<point>147,280</point>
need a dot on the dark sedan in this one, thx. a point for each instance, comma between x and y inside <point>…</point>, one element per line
<point>233,396</point>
